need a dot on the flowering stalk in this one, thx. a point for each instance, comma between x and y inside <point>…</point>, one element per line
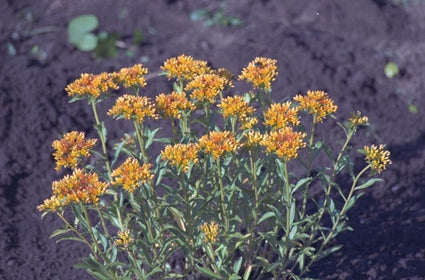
<point>223,201</point>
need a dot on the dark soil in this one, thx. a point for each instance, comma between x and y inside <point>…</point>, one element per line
<point>339,46</point>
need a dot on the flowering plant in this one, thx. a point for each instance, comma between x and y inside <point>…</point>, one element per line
<point>231,192</point>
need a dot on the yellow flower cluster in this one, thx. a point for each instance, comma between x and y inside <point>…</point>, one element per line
<point>130,174</point>
<point>226,74</point>
<point>184,67</point>
<point>90,85</point>
<point>71,148</point>
<point>210,231</point>
<point>132,76</point>
<point>206,87</point>
<point>260,73</point>
<point>284,142</point>
<point>216,143</point>
<point>80,187</point>
<point>253,139</point>
<point>181,155</point>
<point>124,239</point>
<point>357,119</point>
<point>235,106</point>
<point>377,157</point>
<point>171,105</point>
<point>280,115</point>
<point>133,107</point>
<point>317,103</point>
<point>249,122</point>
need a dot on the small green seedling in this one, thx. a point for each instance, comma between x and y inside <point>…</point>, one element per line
<point>218,18</point>
<point>80,32</point>
<point>391,70</point>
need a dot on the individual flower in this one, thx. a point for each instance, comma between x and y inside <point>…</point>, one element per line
<point>260,73</point>
<point>377,157</point>
<point>79,187</point>
<point>133,107</point>
<point>357,119</point>
<point>171,105</point>
<point>132,76</point>
<point>280,115</point>
<point>90,85</point>
<point>184,67</point>
<point>253,139</point>
<point>210,231</point>
<point>317,103</point>
<point>248,122</point>
<point>226,74</point>
<point>284,142</point>
<point>235,106</point>
<point>51,204</point>
<point>131,174</point>
<point>181,155</point>
<point>206,87</point>
<point>71,148</point>
<point>123,239</point>
<point>216,143</point>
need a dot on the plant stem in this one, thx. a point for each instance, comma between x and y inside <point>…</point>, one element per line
<point>223,204</point>
<point>309,164</point>
<point>289,202</point>
<point>134,261</point>
<point>256,201</point>
<point>141,142</point>
<point>99,127</point>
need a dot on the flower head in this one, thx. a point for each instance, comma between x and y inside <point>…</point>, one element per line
<point>131,174</point>
<point>317,103</point>
<point>181,155</point>
<point>71,148</point>
<point>280,115</point>
<point>235,106</point>
<point>51,204</point>
<point>90,85</point>
<point>377,157</point>
<point>184,67</point>
<point>357,119</point>
<point>79,187</point>
<point>284,142</point>
<point>216,143</point>
<point>226,74</point>
<point>248,122</point>
<point>171,105</point>
<point>206,87</point>
<point>260,73</point>
<point>132,76</point>
<point>123,239</point>
<point>133,107</point>
<point>253,139</point>
<point>210,231</point>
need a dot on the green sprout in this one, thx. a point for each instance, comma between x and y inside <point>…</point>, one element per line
<point>391,70</point>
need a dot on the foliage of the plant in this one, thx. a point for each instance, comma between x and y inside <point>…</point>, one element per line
<point>215,18</point>
<point>230,192</point>
<point>391,70</point>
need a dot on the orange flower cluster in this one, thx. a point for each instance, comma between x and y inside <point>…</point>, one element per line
<point>206,87</point>
<point>357,119</point>
<point>171,105</point>
<point>80,187</point>
<point>317,103</point>
<point>132,76</point>
<point>281,115</point>
<point>184,67</point>
<point>133,107</point>
<point>216,143</point>
<point>260,73</point>
<point>226,74</point>
<point>249,122</point>
<point>124,239</point>
<point>235,106</point>
<point>284,142</point>
<point>130,174</point>
<point>377,157</point>
<point>210,231</point>
<point>181,155</point>
<point>90,85</point>
<point>253,139</point>
<point>71,148</point>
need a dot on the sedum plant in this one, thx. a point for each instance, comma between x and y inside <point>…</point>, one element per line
<point>242,188</point>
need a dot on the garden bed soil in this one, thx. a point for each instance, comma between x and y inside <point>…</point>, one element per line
<point>340,46</point>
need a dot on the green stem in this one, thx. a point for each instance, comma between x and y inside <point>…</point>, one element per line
<point>338,219</point>
<point>289,202</point>
<point>223,204</point>
<point>102,138</point>
<point>134,261</point>
<point>188,220</point>
<point>102,220</point>
<point>141,142</point>
<point>309,164</point>
<point>256,201</point>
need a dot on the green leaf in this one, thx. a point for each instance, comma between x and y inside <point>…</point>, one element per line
<point>80,26</point>
<point>138,37</point>
<point>265,217</point>
<point>87,42</point>
<point>237,265</point>
<point>391,70</point>
<point>59,232</point>
<point>327,252</point>
<point>413,109</point>
<point>208,272</point>
<point>368,183</point>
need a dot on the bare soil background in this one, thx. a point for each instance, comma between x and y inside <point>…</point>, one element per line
<point>337,46</point>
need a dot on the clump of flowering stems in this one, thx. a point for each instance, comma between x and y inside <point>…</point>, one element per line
<point>230,202</point>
